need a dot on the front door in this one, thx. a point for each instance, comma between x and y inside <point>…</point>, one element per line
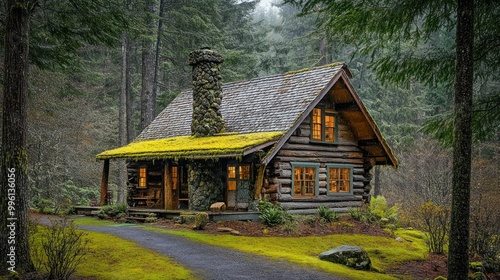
<point>238,186</point>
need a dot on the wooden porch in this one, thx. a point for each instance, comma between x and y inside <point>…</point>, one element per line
<point>170,214</point>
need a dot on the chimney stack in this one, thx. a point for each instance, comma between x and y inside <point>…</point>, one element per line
<point>207,92</point>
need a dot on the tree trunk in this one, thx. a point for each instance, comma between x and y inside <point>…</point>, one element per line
<point>14,193</point>
<point>158,47</point>
<point>122,128</point>
<point>148,97</point>
<point>458,261</point>
<point>130,95</point>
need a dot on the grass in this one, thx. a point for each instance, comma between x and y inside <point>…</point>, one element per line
<point>384,252</point>
<point>112,258</point>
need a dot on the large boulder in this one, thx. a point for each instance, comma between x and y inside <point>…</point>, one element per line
<point>351,256</point>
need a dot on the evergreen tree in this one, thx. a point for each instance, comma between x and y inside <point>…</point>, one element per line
<point>408,32</point>
<point>14,199</point>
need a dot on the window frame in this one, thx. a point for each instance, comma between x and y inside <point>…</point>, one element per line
<point>351,181</point>
<point>314,165</point>
<point>323,116</point>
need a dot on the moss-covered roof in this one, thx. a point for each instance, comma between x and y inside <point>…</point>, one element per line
<point>232,145</point>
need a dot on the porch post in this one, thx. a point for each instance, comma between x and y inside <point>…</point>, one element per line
<point>104,182</point>
<point>259,181</point>
<point>167,186</point>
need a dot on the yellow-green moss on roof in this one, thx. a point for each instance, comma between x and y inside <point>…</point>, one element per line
<point>191,147</point>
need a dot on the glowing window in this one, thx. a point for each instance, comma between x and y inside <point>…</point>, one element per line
<point>304,181</point>
<point>244,171</point>
<point>323,126</point>
<point>237,173</point>
<point>317,125</point>
<point>329,128</point>
<point>339,179</point>
<point>142,177</point>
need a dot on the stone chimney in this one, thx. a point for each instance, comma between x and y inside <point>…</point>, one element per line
<point>207,92</point>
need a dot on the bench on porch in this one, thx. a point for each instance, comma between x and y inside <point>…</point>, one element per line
<point>151,199</point>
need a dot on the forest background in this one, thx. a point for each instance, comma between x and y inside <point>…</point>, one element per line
<point>86,96</point>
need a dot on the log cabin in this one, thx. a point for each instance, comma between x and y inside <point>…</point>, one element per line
<point>302,139</point>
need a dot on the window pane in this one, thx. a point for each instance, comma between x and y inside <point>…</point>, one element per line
<point>329,129</point>
<point>231,172</point>
<point>231,185</point>
<point>142,182</point>
<point>297,182</point>
<point>142,177</point>
<point>244,172</point>
<point>316,124</point>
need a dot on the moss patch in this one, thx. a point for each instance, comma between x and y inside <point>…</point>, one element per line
<point>384,252</point>
<point>114,258</point>
<point>191,147</point>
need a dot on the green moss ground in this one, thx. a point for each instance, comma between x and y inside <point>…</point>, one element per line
<point>384,252</point>
<point>114,258</point>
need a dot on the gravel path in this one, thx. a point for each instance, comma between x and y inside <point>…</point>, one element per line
<point>211,262</point>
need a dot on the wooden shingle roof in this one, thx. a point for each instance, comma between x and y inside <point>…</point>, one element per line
<point>262,104</point>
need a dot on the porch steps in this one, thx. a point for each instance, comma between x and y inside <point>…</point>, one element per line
<point>141,217</point>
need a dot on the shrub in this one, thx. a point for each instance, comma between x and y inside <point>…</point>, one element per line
<point>112,211</point>
<point>272,214</point>
<point>362,214</point>
<point>327,215</point>
<point>379,209</point>
<point>434,220</point>
<point>60,249</point>
<point>377,212</point>
<point>200,220</point>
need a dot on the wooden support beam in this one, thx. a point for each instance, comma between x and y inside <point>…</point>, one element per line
<point>259,181</point>
<point>104,182</point>
<point>167,186</point>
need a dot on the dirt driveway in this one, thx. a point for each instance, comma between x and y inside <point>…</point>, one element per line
<point>211,262</point>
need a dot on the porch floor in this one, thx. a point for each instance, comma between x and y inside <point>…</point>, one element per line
<point>170,214</point>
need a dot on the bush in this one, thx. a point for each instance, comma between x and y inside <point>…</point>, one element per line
<point>327,215</point>
<point>377,212</point>
<point>379,209</point>
<point>200,220</point>
<point>112,211</point>
<point>434,220</point>
<point>272,214</point>
<point>60,249</point>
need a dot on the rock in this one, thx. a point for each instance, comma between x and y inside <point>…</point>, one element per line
<point>399,239</point>
<point>351,256</point>
<point>235,232</point>
<point>225,229</point>
<point>218,206</point>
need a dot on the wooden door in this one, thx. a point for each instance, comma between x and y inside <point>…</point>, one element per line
<point>238,193</point>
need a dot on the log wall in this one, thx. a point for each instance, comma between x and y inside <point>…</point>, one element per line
<point>277,184</point>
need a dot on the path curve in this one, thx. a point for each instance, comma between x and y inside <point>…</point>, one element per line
<point>212,262</point>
